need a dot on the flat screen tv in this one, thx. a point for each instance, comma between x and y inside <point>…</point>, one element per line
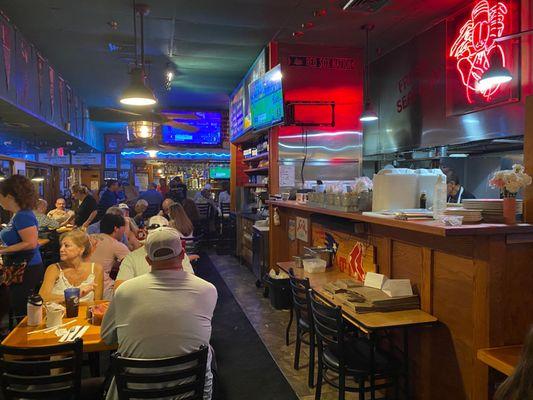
<point>219,172</point>
<point>266,99</point>
<point>192,128</point>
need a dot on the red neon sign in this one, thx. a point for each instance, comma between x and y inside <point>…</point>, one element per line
<point>474,48</point>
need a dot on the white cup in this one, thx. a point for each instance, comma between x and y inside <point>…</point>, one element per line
<point>54,318</point>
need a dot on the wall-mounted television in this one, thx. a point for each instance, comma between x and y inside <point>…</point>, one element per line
<point>266,99</point>
<point>192,128</point>
<point>240,110</point>
<point>219,173</point>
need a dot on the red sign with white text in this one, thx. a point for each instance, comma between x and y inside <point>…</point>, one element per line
<point>472,49</point>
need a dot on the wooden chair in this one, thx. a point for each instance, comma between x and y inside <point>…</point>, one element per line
<point>182,376</point>
<point>305,331</point>
<point>27,373</point>
<point>348,356</point>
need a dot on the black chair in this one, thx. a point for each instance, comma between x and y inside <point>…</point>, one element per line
<point>184,375</point>
<point>27,373</point>
<point>345,355</point>
<point>305,331</point>
<point>202,226</point>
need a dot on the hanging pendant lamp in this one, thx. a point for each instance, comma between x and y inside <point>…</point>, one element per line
<point>368,113</point>
<point>494,76</point>
<point>138,93</point>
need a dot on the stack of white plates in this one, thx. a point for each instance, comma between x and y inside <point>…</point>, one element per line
<point>468,215</point>
<point>491,209</point>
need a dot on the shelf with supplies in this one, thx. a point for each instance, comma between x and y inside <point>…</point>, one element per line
<point>258,157</point>
<point>257,171</point>
<point>255,185</point>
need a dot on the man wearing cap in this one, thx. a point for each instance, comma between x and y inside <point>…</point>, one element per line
<point>135,264</point>
<point>163,313</point>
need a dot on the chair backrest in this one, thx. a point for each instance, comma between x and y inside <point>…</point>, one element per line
<point>182,376</point>
<point>225,209</point>
<point>329,325</point>
<point>204,210</point>
<point>153,209</point>
<point>300,298</point>
<point>51,372</point>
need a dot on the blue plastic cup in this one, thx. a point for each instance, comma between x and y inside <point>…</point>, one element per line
<point>72,301</point>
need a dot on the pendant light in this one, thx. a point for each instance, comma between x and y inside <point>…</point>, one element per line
<point>138,93</point>
<point>368,113</point>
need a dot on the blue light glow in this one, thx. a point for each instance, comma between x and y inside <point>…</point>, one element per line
<point>177,154</point>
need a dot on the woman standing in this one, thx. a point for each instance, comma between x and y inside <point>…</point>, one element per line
<point>73,271</point>
<point>20,238</point>
<point>87,209</point>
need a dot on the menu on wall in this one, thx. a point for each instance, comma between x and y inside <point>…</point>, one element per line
<point>86,159</point>
<point>54,160</point>
<point>286,175</point>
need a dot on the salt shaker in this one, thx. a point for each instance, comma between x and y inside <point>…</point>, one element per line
<point>35,309</point>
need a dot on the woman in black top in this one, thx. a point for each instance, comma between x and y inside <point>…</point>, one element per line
<point>87,209</point>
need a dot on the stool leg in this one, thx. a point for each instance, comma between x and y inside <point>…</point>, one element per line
<point>311,379</point>
<point>361,389</point>
<point>297,349</point>
<point>291,316</point>
<point>318,390</point>
<point>342,381</point>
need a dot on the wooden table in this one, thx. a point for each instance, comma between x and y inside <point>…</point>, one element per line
<point>503,359</point>
<point>92,342</point>
<point>366,321</point>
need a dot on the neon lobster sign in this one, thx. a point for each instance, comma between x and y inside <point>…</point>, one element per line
<point>475,48</point>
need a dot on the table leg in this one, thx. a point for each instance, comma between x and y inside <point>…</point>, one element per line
<point>406,363</point>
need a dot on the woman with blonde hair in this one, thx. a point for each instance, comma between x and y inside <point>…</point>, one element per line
<point>73,270</point>
<point>180,220</point>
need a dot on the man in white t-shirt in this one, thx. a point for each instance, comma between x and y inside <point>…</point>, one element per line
<point>107,249</point>
<point>135,264</point>
<point>184,302</point>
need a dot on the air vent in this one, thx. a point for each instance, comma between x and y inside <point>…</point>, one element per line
<point>368,6</point>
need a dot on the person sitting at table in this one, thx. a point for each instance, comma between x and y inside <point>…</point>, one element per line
<point>108,251</point>
<point>20,238</point>
<point>60,213</point>
<point>73,271</point>
<point>177,190</point>
<point>154,199</point>
<point>140,209</point>
<point>135,264</point>
<point>165,207</point>
<point>129,238</point>
<point>87,210</point>
<point>44,222</point>
<point>180,221</point>
<point>163,313</point>
<point>131,222</point>
<point>519,385</point>
<point>224,197</point>
<point>191,210</point>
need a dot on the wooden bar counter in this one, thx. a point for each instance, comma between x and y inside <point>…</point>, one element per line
<point>475,279</point>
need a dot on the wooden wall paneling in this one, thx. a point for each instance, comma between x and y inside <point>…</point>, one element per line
<point>273,161</point>
<point>528,160</point>
<point>407,263</point>
<point>427,279</point>
<point>384,256</point>
<point>452,355</point>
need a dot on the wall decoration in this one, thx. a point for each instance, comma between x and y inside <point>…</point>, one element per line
<point>472,50</point>
<point>6,44</point>
<point>352,254</point>
<point>110,175</point>
<point>111,160</point>
<point>292,229</point>
<point>86,159</point>
<point>51,77</point>
<point>124,176</point>
<point>302,229</point>
<point>40,71</point>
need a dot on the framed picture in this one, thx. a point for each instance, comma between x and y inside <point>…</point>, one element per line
<point>125,164</point>
<point>114,143</point>
<point>110,175</point>
<point>124,176</point>
<point>111,160</point>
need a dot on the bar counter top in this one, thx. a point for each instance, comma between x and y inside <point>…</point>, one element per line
<point>424,226</point>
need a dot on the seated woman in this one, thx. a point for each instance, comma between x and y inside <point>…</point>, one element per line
<point>180,221</point>
<point>73,271</point>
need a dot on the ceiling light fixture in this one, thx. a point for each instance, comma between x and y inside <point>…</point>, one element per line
<point>368,114</point>
<point>38,178</point>
<point>138,93</point>
<point>141,129</point>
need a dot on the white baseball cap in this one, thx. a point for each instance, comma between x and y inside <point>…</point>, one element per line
<point>163,244</point>
<point>123,206</point>
<point>157,221</point>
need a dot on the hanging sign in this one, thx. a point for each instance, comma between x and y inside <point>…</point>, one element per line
<point>342,63</point>
<point>302,229</point>
<point>53,159</point>
<point>87,159</point>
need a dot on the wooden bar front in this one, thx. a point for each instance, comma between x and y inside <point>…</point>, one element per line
<point>475,279</point>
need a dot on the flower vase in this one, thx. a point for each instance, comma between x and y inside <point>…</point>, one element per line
<point>509,210</point>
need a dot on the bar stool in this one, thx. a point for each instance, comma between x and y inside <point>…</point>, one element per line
<point>345,355</point>
<point>305,331</point>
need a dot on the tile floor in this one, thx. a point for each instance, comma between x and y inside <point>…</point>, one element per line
<point>270,324</point>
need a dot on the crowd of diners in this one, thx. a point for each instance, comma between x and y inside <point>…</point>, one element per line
<point>102,253</point>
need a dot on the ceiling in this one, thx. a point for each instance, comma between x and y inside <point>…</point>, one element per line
<point>211,43</point>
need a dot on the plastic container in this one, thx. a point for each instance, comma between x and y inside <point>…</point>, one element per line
<point>314,265</point>
<point>279,291</point>
<point>440,193</point>
<point>452,220</point>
